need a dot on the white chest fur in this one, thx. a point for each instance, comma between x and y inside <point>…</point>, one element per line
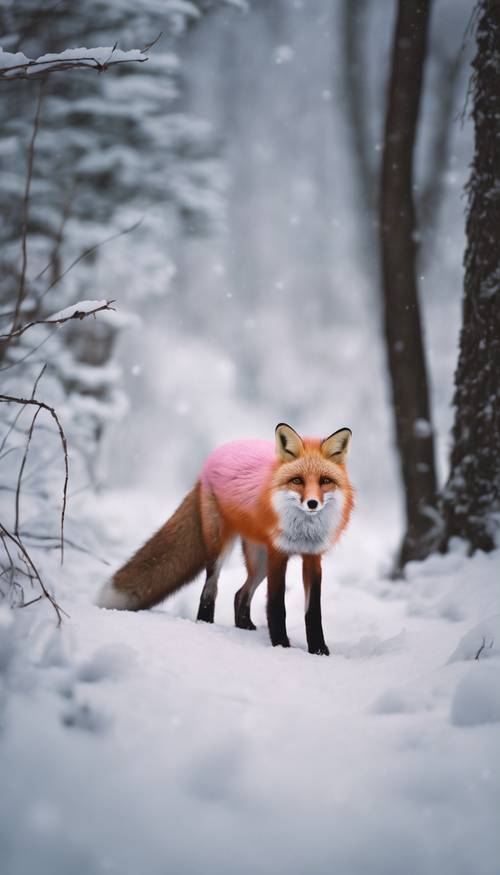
<point>301,531</point>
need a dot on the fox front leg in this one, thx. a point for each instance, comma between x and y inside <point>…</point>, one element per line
<point>311,574</point>
<point>276,613</point>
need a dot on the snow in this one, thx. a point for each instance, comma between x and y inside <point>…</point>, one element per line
<point>148,742</point>
<point>75,309</point>
<point>477,697</point>
<point>422,428</point>
<point>12,59</point>
<point>98,56</point>
<point>481,642</point>
<point>90,57</point>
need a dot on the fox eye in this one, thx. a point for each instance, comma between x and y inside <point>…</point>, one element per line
<point>323,481</point>
<point>297,480</point>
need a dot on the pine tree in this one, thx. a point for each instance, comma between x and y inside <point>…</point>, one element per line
<point>472,496</point>
<point>109,149</point>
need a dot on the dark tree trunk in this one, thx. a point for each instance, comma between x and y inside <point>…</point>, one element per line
<point>472,495</point>
<point>402,322</point>
<point>355,24</point>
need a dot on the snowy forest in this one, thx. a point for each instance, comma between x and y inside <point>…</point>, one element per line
<point>218,217</point>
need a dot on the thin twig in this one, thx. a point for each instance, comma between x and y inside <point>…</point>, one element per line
<point>31,602</point>
<point>35,384</point>
<point>30,353</point>
<point>483,645</point>
<point>14,569</point>
<point>21,470</point>
<point>26,201</point>
<point>73,264</point>
<point>8,452</point>
<point>10,399</point>
<point>21,71</point>
<point>77,314</point>
<point>59,236</point>
<point>89,251</point>
<point>150,45</point>
<point>29,561</point>
<point>11,561</point>
<point>11,428</point>
<point>68,543</point>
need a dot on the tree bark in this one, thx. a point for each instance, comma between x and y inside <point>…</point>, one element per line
<point>402,321</point>
<point>355,24</point>
<point>471,500</point>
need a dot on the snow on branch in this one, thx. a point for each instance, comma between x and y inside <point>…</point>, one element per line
<point>18,66</point>
<point>76,311</point>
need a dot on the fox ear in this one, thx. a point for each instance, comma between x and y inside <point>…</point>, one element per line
<point>336,446</point>
<point>289,445</point>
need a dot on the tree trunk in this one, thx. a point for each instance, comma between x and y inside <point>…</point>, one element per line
<point>355,24</point>
<point>402,322</point>
<point>471,500</point>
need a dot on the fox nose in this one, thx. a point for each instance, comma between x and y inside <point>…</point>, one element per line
<point>312,504</point>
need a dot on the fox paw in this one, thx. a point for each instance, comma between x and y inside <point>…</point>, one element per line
<point>206,612</point>
<point>245,623</point>
<point>320,650</point>
<point>282,642</point>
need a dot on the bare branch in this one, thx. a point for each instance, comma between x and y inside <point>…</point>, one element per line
<point>59,237</point>
<point>29,561</point>
<point>26,200</point>
<point>11,428</point>
<point>483,645</point>
<point>150,45</point>
<point>35,385</point>
<point>69,543</point>
<point>8,452</point>
<point>12,566</point>
<point>84,254</point>
<point>21,469</point>
<point>31,602</point>
<point>14,421</point>
<point>9,399</point>
<point>89,251</point>
<point>89,62</point>
<point>77,314</point>
<point>30,353</point>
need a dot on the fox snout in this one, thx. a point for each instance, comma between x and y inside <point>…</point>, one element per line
<point>310,503</point>
<point>313,503</point>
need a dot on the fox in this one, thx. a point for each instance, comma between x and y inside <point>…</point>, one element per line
<point>293,497</point>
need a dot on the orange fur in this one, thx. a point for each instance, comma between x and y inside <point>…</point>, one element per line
<point>299,484</point>
<point>260,524</point>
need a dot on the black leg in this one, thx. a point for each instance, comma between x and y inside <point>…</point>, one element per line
<point>311,569</point>
<point>256,563</point>
<point>276,613</point>
<point>242,617</point>
<point>206,609</point>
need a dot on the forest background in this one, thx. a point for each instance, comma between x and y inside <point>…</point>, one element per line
<point>194,236</point>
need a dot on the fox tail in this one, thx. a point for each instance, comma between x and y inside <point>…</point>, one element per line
<point>169,560</point>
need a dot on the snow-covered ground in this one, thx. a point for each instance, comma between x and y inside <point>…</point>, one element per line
<point>148,743</point>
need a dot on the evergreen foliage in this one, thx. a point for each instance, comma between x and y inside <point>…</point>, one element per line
<point>114,158</point>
